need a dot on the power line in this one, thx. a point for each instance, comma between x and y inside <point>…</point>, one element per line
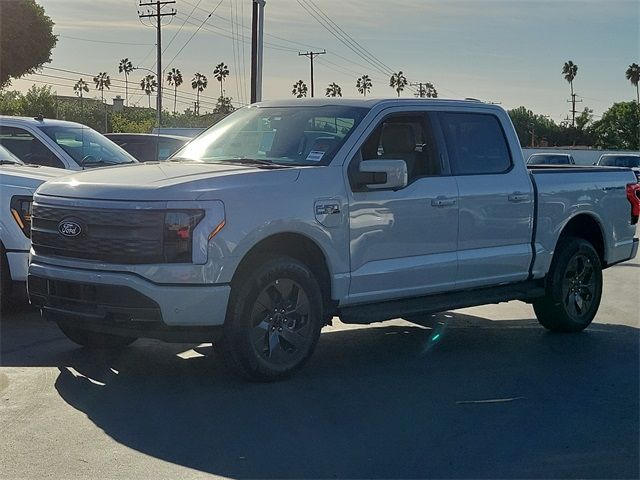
<point>92,40</point>
<point>194,33</point>
<point>184,94</point>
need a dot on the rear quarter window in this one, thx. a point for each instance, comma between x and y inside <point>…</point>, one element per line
<point>476,143</point>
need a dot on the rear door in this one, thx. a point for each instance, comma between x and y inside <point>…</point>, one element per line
<point>496,200</point>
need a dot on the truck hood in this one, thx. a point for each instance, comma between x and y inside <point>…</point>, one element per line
<point>164,181</point>
<point>30,176</point>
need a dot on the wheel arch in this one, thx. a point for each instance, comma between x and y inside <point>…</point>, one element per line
<point>589,228</point>
<point>294,245</point>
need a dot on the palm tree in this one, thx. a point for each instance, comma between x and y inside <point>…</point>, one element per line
<point>633,75</point>
<point>570,71</point>
<point>334,90</point>
<point>221,72</point>
<point>199,82</point>
<point>299,89</point>
<point>149,84</point>
<point>426,90</point>
<point>102,81</point>
<point>364,84</point>
<point>398,81</point>
<point>125,66</point>
<point>174,77</point>
<point>80,87</point>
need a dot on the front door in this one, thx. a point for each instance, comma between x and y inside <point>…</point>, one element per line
<point>403,243</point>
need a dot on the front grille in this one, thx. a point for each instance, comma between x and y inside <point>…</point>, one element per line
<point>110,235</point>
<point>107,302</point>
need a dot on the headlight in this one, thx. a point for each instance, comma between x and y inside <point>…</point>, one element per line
<point>178,234</point>
<point>21,212</point>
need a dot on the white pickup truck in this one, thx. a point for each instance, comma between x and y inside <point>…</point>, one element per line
<point>17,184</point>
<point>284,214</point>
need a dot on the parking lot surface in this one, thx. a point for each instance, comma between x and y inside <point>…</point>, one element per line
<point>481,392</point>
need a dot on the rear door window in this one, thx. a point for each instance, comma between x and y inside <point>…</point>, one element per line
<point>476,143</point>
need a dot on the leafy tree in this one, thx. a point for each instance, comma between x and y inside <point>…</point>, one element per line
<point>221,72</point>
<point>618,127</point>
<point>102,81</point>
<point>426,90</point>
<point>125,66</point>
<point>398,81</point>
<point>10,102</point>
<point>174,77</point>
<point>224,105</point>
<point>79,88</point>
<point>334,90</point>
<point>149,84</point>
<point>633,75</point>
<point>26,39</point>
<point>299,89</point>
<point>39,101</point>
<point>570,71</point>
<point>531,127</point>
<point>364,84</point>
<point>199,82</point>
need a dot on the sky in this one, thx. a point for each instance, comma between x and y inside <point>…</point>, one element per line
<point>506,51</point>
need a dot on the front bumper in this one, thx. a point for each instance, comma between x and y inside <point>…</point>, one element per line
<point>18,263</point>
<point>114,297</point>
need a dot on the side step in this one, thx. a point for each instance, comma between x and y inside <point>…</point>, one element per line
<point>381,311</point>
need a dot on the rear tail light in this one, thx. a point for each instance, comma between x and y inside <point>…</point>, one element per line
<point>633,195</point>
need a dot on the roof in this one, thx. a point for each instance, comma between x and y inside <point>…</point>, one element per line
<point>370,102</point>
<point>45,122</point>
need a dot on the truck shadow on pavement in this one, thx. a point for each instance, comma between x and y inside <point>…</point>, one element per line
<point>469,397</point>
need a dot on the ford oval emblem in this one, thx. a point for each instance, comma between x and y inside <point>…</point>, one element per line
<point>69,228</point>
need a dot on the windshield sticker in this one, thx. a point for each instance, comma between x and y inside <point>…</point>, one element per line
<point>315,156</point>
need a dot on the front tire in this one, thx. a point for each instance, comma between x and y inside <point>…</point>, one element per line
<point>273,321</point>
<point>90,339</point>
<point>574,288</point>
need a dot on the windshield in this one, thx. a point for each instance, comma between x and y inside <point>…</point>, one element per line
<point>87,147</point>
<point>628,161</point>
<point>7,157</point>
<point>548,160</point>
<point>305,135</point>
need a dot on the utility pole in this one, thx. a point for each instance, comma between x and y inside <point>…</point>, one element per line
<point>311,56</point>
<point>573,102</point>
<point>257,35</point>
<point>158,14</point>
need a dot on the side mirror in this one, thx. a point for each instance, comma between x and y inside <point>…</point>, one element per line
<point>383,174</point>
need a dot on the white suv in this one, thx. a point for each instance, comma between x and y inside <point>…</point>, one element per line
<point>59,144</point>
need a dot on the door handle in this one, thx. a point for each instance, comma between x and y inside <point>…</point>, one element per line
<point>518,197</point>
<point>443,202</point>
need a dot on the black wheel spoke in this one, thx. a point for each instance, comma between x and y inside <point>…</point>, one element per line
<point>294,338</point>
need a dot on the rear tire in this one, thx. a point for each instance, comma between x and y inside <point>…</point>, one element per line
<point>273,321</point>
<point>5,281</point>
<point>574,287</point>
<point>90,339</point>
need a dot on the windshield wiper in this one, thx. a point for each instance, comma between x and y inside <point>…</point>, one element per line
<point>9,162</point>
<point>249,161</point>
<point>103,163</point>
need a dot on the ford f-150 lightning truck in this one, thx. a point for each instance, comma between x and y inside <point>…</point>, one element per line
<point>287,213</point>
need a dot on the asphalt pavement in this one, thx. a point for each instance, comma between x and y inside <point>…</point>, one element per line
<point>475,393</point>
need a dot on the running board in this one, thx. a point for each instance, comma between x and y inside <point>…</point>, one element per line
<point>381,311</point>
